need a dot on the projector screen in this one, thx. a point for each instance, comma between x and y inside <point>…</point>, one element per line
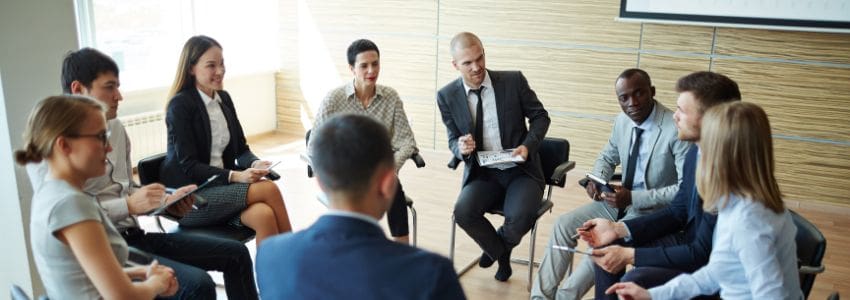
<point>804,15</point>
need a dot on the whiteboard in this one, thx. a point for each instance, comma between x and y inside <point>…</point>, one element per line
<point>807,15</point>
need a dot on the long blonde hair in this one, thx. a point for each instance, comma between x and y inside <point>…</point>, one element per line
<point>51,118</point>
<point>194,48</point>
<point>737,157</point>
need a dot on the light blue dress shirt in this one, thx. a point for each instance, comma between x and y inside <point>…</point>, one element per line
<point>754,256</point>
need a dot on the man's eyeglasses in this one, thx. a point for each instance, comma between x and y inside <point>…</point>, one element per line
<point>103,137</point>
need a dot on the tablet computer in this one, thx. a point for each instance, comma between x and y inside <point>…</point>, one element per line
<point>198,203</point>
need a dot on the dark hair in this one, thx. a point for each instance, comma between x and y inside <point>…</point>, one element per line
<point>85,65</point>
<point>360,46</point>
<point>347,150</point>
<point>51,118</point>
<point>194,48</point>
<point>628,73</point>
<point>709,88</point>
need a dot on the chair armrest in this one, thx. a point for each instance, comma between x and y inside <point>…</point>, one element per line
<point>561,170</point>
<point>453,163</point>
<point>812,269</point>
<point>420,163</point>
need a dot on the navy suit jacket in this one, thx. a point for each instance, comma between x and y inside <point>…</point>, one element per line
<point>341,257</point>
<point>515,101</point>
<point>190,141</point>
<point>683,214</point>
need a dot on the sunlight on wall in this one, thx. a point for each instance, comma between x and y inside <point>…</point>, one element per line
<point>316,68</point>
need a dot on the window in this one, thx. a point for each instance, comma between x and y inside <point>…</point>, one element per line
<point>145,37</point>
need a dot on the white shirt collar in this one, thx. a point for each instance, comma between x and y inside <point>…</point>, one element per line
<point>349,90</point>
<point>649,123</point>
<point>207,99</point>
<point>487,83</point>
<point>350,214</point>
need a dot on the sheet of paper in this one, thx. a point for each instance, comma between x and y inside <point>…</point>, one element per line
<point>487,158</point>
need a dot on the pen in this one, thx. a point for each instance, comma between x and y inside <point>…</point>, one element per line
<point>573,250</point>
<point>585,229</point>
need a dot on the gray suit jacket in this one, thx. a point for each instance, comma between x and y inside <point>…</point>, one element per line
<point>663,172</point>
<point>515,101</point>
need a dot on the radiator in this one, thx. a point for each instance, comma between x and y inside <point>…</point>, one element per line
<point>147,134</point>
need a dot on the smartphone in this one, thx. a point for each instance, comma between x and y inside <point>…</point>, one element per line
<point>601,184</point>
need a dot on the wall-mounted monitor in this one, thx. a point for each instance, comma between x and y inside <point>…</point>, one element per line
<point>802,15</point>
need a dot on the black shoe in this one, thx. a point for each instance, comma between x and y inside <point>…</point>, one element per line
<point>505,270</point>
<point>485,261</point>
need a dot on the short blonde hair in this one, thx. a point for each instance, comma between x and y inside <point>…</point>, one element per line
<point>464,40</point>
<point>737,157</point>
<point>51,118</point>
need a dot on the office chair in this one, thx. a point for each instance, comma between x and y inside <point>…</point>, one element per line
<point>148,169</point>
<point>417,159</point>
<point>811,246</point>
<point>554,156</point>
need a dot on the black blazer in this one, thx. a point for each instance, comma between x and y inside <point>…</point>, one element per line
<point>190,140</point>
<point>515,101</point>
<point>683,214</point>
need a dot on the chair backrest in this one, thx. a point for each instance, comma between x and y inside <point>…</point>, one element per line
<point>553,152</point>
<point>18,294</point>
<point>811,246</point>
<point>148,168</point>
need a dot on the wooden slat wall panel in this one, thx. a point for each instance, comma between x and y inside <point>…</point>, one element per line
<point>571,52</point>
<point>587,137</point>
<point>540,21</point>
<point>695,39</point>
<point>811,171</point>
<point>801,100</point>
<point>822,47</point>
<point>406,17</point>
<point>665,70</point>
<point>564,79</point>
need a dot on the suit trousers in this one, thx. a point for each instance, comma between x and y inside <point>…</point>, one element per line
<point>515,192</point>
<point>191,256</point>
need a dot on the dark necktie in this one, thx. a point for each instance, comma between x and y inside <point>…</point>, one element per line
<point>479,120</point>
<point>629,179</point>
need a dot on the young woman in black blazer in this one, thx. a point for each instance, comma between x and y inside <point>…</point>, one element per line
<point>206,139</point>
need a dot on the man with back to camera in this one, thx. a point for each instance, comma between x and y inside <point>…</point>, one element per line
<point>91,73</point>
<point>644,141</point>
<point>678,238</point>
<point>345,254</point>
<point>486,110</point>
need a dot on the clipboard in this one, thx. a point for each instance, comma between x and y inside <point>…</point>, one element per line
<point>166,205</point>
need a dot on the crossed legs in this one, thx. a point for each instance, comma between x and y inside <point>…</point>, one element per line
<point>266,211</point>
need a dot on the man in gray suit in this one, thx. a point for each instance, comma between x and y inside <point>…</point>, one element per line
<point>644,142</point>
<point>486,110</point>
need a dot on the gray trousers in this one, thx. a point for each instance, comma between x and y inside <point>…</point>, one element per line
<point>555,262</point>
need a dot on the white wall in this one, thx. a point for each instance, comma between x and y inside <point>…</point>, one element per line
<point>253,95</point>
<point>35,35</point>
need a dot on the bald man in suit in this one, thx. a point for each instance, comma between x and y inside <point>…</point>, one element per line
<point>487,110</point>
